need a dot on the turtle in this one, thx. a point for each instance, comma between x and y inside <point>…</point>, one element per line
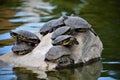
<point>26,36</point>
<point>60,21</point>
<point>51,25</point>
<point>65,40</point>
<point>78,24</point>
<point>22,48</point>
<point>61,31</point>
<point>59,55</point>
<point>47,27</point>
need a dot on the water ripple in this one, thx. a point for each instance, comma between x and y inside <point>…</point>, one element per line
<point>5,36</point>
<point>25,14</point>
<point>25,19</point>
<point>111,62</point>
<point>5,49</point>
<point>32,27</point>
<point>46,7</point>
<point>7,74</point>
<point>106,78</point>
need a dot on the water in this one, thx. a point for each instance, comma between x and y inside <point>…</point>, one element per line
<point>30,15</point>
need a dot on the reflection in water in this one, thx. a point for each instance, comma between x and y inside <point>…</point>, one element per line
<point>64,7</point>
<point>87,72</point>
<point>30,14</point>
<point>7,74</point>
<point>22,73</point>
<point>29,74</point>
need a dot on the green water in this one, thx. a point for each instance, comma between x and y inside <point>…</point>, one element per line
<point>104,15</point>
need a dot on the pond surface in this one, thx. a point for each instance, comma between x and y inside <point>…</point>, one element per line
<point>30,15</point>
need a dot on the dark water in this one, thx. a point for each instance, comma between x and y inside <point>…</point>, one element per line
<point>30,15</point>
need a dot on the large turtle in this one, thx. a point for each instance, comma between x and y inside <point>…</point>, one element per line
<point>59,55</point>
<point>22,48</point>
<point>65,40</point>
<point>78,24</point>
<point>26,36</point>
<point>61,31</point>
<point>52,25</point>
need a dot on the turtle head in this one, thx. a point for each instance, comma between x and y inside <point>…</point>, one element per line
<point>13,34</point>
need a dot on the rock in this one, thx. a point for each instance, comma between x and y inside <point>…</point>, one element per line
<point>90,47</point>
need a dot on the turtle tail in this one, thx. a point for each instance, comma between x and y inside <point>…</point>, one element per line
<point>92,30</point>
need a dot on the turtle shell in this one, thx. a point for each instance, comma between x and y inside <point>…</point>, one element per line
<point>60,21</point>
<point>47,27</point>
<point>22,48</point>
<point>60,31</point>
<point>66,40</point>
<point>52,25</point>
<point>56,52</point>
<point>25,36</point>
<point>79,24</point>
<point>76,22</point>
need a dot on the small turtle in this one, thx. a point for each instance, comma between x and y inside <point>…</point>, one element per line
<point>51,25</point>
<point>78,24</point>
<point>60,21</point>
<point>26,36</point>
<point>48,27</point>
<point>59,55</point>
<point>61,31</point>
<point>22,48</point>
<point>65,40</point>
